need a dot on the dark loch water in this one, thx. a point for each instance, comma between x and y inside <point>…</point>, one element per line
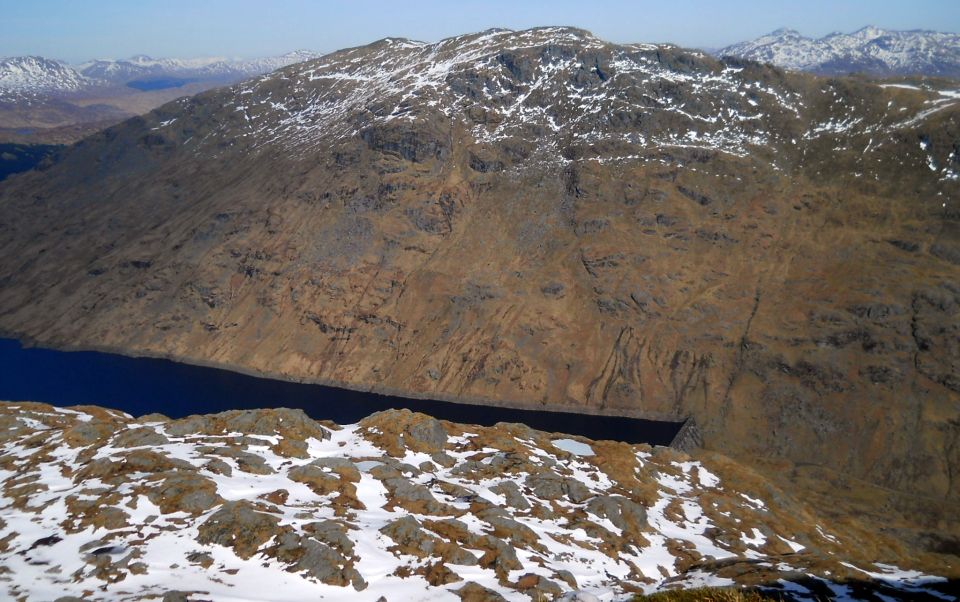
<point>15,158</point>
<point>160,83</point>
<point>144,385</point>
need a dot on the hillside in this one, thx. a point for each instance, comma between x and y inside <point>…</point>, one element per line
<point>538,219</point>
<point>269,505</point>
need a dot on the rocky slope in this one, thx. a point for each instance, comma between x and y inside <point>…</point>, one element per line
<point>868,50</point>
<point>539,219</point>
<point>270,505</point>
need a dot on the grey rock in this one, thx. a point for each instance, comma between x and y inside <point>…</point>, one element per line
<point>402,490</point>
<point>333,534</point>
<point>511,491</point>
<point>87,433</point>
<point>341,466</point>
<point>551,486</point>
<point>444,459</point>
<point>240,526</point>
<point>407,533</point>
<point>474,592</point>
<point>218,466</point>
<point>547,486</point>
<point>154,417</point>
<point>518,534</point>
<point>246,461</point>
<point>622,512</point>
<point>184,492</point>
<point>430,433</point>
<point>138,437</point>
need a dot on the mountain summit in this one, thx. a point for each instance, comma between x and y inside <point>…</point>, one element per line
<point>35,74</point>
<point>539,219</point>
<point>870,50</point>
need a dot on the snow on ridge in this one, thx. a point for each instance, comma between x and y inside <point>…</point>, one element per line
<point>544,77</point>
<point>869,49</point>
<point>122,70</point>
<point>34,74</point>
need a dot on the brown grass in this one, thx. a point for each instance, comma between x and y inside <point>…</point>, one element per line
<point>708,594</point>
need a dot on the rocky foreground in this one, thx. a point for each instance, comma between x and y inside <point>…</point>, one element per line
<point>271,505</point>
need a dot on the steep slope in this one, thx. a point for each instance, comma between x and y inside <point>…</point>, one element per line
<point>538,219</point>
<point>270,505</point>
<point>868,50</point>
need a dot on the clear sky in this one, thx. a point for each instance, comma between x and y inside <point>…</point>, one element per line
<point>77,30</point>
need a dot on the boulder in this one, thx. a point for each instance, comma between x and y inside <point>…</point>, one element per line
<point>473,592</point>
<point>139,437</point>
<point>624,513</point>
<point>183,492</point>
<point>240,526</point>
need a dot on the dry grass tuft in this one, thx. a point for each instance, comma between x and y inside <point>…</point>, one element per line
<point>708,594</point>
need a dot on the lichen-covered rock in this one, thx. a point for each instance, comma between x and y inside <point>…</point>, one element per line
<point>473,592</point>
<point>183,492</point>
<point>551,486</point>
<point>320,481</point>
<point>87,433</point>
<point>306,555</point>
<point>280,421</point>
<point>240,526</point>
<point>514,497</point>
<point>623,513</point>
<point>139,437</point>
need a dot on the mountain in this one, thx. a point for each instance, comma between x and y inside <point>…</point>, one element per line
<point>46,101</point>
<point>545,220</point>
<point>38,94</point>
<point>270,505</point>
<point>35,75</point>
<point>869,50</point>
<point>124,71</point>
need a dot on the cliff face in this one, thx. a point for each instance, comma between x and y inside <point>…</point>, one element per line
<point>536,218</point>
<point>270,505</point>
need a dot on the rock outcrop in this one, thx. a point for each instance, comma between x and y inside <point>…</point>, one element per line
<point>151,508</point>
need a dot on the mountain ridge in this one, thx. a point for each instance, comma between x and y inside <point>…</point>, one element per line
<point>871,50</point>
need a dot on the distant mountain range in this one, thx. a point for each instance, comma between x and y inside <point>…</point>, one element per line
<point>869,50</point>
<point>35,74</point>
<point>47,101</point>
<point>142,66</point>
<point>39,75</point>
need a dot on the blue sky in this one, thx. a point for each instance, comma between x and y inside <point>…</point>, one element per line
<point>79,30</point>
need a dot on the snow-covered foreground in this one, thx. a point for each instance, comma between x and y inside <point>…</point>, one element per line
<point>270,505</point>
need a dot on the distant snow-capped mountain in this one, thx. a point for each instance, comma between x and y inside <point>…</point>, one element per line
<point>869,50</point>
<point>142,66</point>
<point>38,75</point>
<point>34,75</point>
